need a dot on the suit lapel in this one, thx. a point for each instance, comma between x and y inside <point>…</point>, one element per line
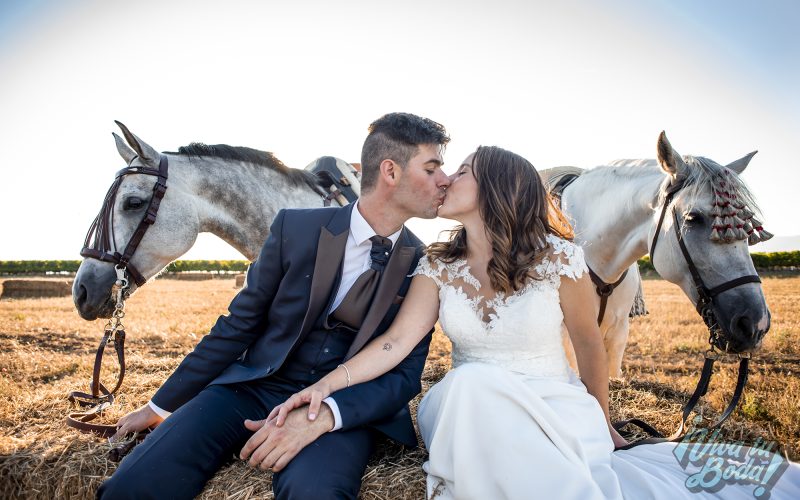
<point>393,276</point>
<point>330,253</point>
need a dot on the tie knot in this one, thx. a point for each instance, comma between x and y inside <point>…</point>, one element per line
<point>380,252</point>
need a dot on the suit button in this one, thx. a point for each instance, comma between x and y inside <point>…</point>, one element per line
<point>313,372</point>
<point>326,350</point>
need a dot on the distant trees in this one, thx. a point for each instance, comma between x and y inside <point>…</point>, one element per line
<point>772,261</point>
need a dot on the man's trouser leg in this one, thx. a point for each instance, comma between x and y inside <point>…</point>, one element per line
<point>330,467</point>
<point>186,450</point>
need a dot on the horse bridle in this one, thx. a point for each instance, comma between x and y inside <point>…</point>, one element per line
<point>705,295</point>
<point>705,308</point>
<point>100,244</point>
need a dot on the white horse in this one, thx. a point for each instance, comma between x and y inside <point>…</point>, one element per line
<point>615,211</point>
<point>232,192</point>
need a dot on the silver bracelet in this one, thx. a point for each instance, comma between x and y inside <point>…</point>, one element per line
<point>347,372</point>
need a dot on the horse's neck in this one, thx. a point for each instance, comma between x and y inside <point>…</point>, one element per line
<point>612,209</point>
<point>237,201</point>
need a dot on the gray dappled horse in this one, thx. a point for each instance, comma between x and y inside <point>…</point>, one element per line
<point>615,211</point>
<point>232,192</point>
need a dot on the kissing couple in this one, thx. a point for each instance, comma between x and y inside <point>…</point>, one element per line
<point>325,345</point>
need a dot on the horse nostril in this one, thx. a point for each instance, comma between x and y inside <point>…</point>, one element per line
<point>745,325</point>
<point>82,294</point>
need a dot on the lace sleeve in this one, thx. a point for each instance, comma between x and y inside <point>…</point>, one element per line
<point>426,268</point>
<point>568,259</point>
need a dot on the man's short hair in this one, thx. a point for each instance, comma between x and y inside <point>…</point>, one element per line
<point>396,136</point>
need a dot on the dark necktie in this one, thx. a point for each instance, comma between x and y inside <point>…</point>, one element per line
<point>355,303</point>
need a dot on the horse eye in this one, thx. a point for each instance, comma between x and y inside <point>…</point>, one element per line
<point>695,218</point>
<point>133,203</point>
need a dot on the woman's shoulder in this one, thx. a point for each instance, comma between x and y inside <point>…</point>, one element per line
<point>565,256</point>
<point>442,270</point>
<point>430,266</point>
<point>562,246</point>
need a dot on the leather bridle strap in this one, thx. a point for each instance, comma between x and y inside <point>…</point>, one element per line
<point>102,231</point>
<point>673,188</point>
<point>604,290</point>
<point>703,291</point>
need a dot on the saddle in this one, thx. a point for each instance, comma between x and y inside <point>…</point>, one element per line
<point>334,182</point>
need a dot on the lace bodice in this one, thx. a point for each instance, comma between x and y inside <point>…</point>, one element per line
<point>521,331</point>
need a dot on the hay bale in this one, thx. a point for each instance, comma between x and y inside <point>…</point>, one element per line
<point>240,280</point>
<point>35,288</point>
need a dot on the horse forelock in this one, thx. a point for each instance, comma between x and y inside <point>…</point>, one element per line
<point>707,176</point>
<point>733,205</point>
<point>247,155</point>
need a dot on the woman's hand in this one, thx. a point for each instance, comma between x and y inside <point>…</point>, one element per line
<point>311,396</point>
<point>137,421</point>
<point>616,437</point>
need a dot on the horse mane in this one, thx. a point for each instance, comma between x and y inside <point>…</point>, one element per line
<point>249,155</point>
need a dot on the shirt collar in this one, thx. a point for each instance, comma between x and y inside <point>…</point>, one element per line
<point>362,231</point>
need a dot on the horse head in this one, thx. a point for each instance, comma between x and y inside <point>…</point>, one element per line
<point>714,213</point>
<point>172,234</point>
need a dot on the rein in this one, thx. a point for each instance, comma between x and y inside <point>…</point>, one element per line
<point>705,309</point>
<point>100,244</point>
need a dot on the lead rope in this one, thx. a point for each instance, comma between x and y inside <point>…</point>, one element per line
<point>100,398</point>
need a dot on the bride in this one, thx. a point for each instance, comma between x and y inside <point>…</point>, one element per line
<point>512,420</point>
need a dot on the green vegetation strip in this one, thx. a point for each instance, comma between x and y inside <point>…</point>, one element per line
<point>762,262</point>
<point>71,266</point>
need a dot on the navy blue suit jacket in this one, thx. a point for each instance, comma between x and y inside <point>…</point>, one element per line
<point>287,289</point>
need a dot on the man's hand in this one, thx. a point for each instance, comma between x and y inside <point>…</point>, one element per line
<point>136,421</point>
<point>273,447</point>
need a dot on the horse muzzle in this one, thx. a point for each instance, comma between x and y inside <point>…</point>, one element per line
<point>743,318</point>
<point>91,290</point>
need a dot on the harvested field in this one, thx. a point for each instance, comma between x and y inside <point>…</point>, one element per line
<point>46,350</point>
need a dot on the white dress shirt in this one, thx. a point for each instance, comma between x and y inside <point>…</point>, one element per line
<point>356,260</point>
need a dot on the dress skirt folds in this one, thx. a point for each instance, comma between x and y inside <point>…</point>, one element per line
<point>493,433</point>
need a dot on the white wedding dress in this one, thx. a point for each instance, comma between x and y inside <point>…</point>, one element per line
<point>512,420</point>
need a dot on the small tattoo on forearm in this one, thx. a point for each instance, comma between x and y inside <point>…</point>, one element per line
<point>387,346</point>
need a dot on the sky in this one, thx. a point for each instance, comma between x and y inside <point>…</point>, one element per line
<point>561,83</point>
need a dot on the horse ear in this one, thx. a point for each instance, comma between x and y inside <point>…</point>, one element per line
<point>669,159</point>
<point>146,152</point>
<point>739,165</point>
<point>125,152</point>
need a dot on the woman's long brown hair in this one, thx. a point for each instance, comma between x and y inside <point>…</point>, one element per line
<point>518,214</point>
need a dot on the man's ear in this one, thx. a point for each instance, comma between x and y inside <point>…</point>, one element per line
<point>390,172</point>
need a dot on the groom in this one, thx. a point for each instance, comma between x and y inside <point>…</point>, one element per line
<point>327,280</point>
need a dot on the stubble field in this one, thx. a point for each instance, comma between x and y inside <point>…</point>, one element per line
<point>46,350</point>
